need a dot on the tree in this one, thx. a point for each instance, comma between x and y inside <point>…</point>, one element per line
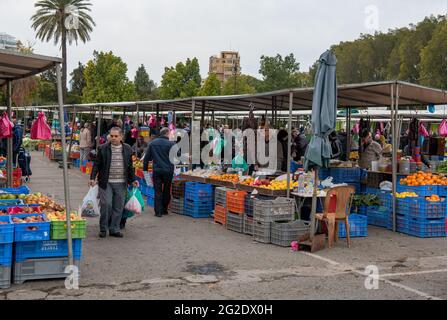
<point>211,87</point>
<point>47,88</point>
<point>77,84</point>
<point>144,86</point>
<point>182,81</point>
<point>242,85</point>
<point>278,73</point>
<point>24,90</point>
<point>434,59</point>
<point>106,80</point>
<point>62,21</point>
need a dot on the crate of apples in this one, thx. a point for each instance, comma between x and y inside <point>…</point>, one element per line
<point>32,219</point>
<point>61,216</point>
<point>226,177</point>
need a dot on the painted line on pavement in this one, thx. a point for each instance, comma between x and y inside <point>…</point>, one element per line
<point>394,284</point>
<point>413,273</point>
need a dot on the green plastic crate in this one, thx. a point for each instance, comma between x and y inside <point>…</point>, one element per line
<point>59,230</point>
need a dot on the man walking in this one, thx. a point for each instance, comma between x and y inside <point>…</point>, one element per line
<point>114,171</point>
<point>163,170</point>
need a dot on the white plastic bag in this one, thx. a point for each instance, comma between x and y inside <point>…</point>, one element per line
<point>386,186</point>
<point>134,205</point>
<point>90,204</point>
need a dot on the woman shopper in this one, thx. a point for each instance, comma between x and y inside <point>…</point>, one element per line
<point>85,142</point>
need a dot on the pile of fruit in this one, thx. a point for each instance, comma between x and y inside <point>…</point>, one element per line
<point>57,146</point>
<point>434,198</point>
<point>424,179</point>
<point>280,185</point>
<point>403,195</point>
<point>226,177</point>
<point>33,219</point>
<point>12,196</point>
<point>61,216</point>
<point>3,223</point>
<point>45,202</point>
<point>255,183</point>
<point>24,210</point>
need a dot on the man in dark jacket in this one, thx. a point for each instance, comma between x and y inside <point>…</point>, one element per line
<point>163,170</point>
<point>114,171</point>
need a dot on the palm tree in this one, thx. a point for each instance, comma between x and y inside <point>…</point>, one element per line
<point>63,20</point>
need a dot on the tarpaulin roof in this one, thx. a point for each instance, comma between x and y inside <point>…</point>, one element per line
<point>364,95</point>
<point>14,65</point>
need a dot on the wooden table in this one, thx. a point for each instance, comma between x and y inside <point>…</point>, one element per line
<point>300,198</point>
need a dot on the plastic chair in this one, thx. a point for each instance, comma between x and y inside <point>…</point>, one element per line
<point>337,212</point>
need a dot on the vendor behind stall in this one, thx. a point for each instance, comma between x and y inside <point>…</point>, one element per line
<point>371,150</point>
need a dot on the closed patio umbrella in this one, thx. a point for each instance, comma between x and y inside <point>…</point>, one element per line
<point>324,117</point>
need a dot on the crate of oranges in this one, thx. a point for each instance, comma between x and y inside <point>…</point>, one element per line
<point>424,184</point>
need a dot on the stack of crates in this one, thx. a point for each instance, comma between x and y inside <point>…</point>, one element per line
<point>178,197</point>
<point>6,241</point>
<point>378,216</point>
<point>248,215</point>
<point>284,233</point>
<point>267,211</point>
<point>351,176</point>
<point>199,200</point>
<point>422,218</point>
<point>220,209</point>
<point>236,210</point>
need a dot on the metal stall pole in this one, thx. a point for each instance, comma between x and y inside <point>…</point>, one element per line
<point>9,141</point>
<point>64,160</point>
<point>393,124</point>
<point>193,110</point>
<point>72,132</point>
<point>138,114</point>
<point>395,147</point>
<point>98,129</point>
<point>213,120</point>
<point>348,133</point>
<point>289,142</point>
<point>202,119</point>
<point>157,115</point>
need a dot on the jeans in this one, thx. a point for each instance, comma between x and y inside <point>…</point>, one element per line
<point>112,205</point>
<point>162,186</point>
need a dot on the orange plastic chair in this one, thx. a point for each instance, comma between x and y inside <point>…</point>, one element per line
<point>344,196</point>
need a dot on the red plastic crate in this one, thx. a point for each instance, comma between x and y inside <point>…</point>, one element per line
<point>236,201</point>
<point>220,215</point>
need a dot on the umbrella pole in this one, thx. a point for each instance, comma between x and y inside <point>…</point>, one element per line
<point>314,206</point>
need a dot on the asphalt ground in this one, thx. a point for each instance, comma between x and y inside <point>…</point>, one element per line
<point>180,258</point>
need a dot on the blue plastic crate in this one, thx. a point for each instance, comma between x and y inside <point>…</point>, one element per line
<point>6,230</point>
<point>10,202</point>
<point>198,211</point>
<point>46,249</point>
<point>39,231</point>
<point>422,191</point>
<point>362,210</point>
<point>358,226</point>
<point>427,228</point>
<point>324,173</point>
<point>20,190</point>
<point>403,224</point>
<point>151,202</point>
<point>358,187</point>
<point>6,254</point>
<point>346,175</point>
<point>195,190</point>
<point>385,197</point>
<point>378,216</point>
<point>419,208</point>
<point>248,205</point>
<point>76,163</point>
<point>442,191</point>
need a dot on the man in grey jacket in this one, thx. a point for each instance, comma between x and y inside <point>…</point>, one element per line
<point>114,171</point>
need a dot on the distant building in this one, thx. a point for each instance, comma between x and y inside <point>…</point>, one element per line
<point>225,65</point>
<point>8,42</point>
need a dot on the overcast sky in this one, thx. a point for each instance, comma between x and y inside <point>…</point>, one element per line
<point>159,33</point>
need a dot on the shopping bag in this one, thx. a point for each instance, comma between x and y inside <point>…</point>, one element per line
<point>40,130</point>
<point>148,176</point>
<point>423,131</point>
<point>135,204</point>
<point>443,128</point>
<point>90,204</point>
<point>6,126</point>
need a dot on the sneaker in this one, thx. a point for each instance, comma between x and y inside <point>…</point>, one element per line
<point>117,235</point>
<point>102,234</point>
